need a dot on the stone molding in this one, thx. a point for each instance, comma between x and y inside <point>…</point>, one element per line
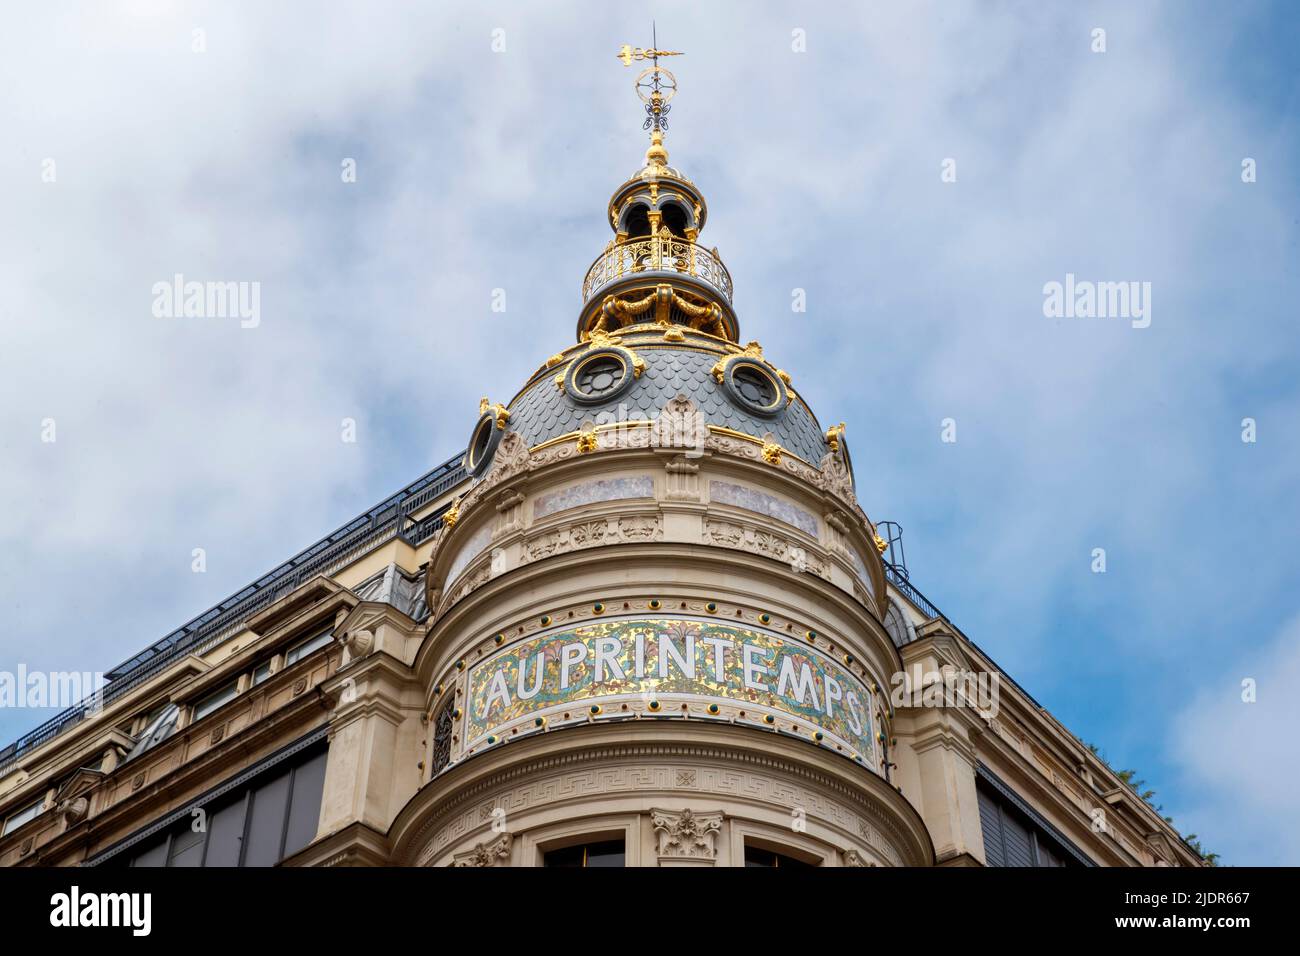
<point>739,769</point>
<point>830,482</point>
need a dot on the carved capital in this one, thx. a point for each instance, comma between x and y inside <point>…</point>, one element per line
<point>684,834</point>
<point>487,853</point>
<point>683,479</point>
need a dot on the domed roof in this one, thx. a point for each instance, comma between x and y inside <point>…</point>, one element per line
<point>551,406</point>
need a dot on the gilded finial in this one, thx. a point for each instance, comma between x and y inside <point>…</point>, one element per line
<point>655,86</point>
<point>833,436</point>
<point>451,515</point>
<point>628,54</point>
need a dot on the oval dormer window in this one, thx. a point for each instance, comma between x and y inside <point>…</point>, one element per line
<point>754,387</point>
<point>483,443</point>
<point>598,377</point>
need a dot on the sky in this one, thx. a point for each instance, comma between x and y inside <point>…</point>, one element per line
<point>920,171</point>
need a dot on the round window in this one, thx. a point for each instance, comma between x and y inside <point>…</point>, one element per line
<point>754,387</point>
<point>482,445</point>
<point>598,376</point>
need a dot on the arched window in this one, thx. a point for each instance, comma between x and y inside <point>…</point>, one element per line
<point>898,624</point>
<point>638,222</point>
<point>675,218</point>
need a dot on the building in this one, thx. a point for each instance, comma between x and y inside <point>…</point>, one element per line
<point>642,620</point>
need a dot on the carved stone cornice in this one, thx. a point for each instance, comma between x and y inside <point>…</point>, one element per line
<point>356,844</point>
<point>849,797</point>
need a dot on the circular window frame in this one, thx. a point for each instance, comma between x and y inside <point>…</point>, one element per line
<point>595,355</point>
<point>476,467</point>
<point>738,363</point>
<point>848,463</point>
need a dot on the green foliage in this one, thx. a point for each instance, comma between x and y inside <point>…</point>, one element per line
<point>1128,778</point>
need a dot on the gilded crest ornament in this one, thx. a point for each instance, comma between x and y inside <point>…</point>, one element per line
<point>499,411</point>
<point>833,436</point>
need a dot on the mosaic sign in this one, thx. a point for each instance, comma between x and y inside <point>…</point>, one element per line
<point>668,661</point>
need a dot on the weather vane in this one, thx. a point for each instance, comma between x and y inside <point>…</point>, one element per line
<point>655,85</point>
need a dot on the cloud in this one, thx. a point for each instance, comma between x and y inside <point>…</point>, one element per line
<point>1239,762</point>
<point>480,170</point>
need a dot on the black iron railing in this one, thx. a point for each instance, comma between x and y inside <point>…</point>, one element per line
<point>900,582</point>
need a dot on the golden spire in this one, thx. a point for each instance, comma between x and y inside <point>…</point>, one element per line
<point>655,86</point>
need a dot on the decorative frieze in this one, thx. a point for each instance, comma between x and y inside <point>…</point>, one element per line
<point>770,544</point>
<point>592,533</point>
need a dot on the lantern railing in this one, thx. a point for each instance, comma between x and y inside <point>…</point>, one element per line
<point>657,255</point>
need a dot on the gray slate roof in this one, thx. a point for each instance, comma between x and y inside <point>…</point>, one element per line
<point>543,412</point>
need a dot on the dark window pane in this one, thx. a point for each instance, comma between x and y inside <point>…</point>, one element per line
<point>154,854</point>
<point>609,853</point>
<point>1013,839</point>
<point>1016,838</point>
<point>304,808</point>
<point>565,856</point>
<point>225,834</point>
<point>187,846</point>
<point>257,822</point>
<point>606,853</point>
<point>991,825</point>
<point>266,822</point>
<point>1047,856</point>
<point>757,856</point>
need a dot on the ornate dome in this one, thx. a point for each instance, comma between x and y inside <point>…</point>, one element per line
<point>754,400</point>
<point>656,332</point>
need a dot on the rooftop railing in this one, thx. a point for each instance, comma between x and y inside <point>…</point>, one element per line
<point>657,254</point>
